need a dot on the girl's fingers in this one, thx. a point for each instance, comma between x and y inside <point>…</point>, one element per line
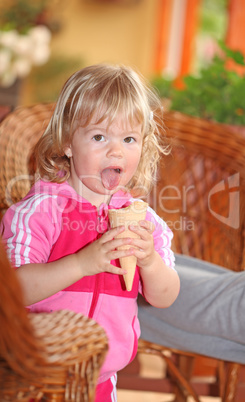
<point>112,233</point>
<point>116,243</point>
<point>143,226</point>
<point>109,242</point>
<point>114,255</point>
<point>115,270</point>
<point>143,231</point>
<point>139,253</point>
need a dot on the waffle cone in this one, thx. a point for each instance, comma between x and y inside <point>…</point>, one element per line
<point>128,216</point>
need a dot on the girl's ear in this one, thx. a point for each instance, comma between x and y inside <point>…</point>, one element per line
<point>68,152</point>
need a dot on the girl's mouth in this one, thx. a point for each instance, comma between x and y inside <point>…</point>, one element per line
<point>110,177</point>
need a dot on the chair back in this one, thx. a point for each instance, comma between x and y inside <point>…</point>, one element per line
<point>201,190</point>
<point>19,133</point>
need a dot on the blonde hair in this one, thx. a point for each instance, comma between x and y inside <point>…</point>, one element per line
<point>113,89</point>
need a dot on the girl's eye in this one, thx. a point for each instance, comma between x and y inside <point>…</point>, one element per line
<point>98,137</point>
<point>129,140</point>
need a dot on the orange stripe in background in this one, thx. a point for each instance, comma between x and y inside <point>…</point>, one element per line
<point>235,38</point>
<point>190,30</point>
<point>164,16</point>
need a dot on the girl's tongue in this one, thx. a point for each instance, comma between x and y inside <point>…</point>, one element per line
<point>110,178</point>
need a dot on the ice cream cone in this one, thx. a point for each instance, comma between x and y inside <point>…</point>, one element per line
<point>128,216</point>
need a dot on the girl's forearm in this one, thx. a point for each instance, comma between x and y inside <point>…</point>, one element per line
<point>161,284</point>
<point>39,281</point>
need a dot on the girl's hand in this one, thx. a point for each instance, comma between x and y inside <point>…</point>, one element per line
<point>144,251</point>
<point>96,257</point>
<point>160,282</point>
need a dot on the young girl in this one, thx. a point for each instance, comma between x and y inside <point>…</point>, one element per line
<point>100,149</point>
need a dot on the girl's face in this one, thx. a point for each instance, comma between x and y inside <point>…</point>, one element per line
<point>104,158</point>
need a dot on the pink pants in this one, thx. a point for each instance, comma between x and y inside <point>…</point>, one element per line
<point>106,391</point>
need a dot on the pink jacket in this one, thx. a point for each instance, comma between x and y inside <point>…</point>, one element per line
<point>53,221</point>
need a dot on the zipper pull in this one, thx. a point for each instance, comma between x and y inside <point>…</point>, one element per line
<point>102,224</point>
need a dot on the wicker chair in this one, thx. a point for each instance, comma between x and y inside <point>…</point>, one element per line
<point>201,195</point>
<point>204,157</point>
<point>201,190</point>
<point>43,356</point>
<point>54,356</point>
<point>19,132</point>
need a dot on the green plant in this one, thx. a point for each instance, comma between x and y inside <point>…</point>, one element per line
<point>22,15</point>
<point>217,93</point>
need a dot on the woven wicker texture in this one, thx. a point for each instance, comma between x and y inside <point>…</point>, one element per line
<point>201,188</point>
<point>44,356</point>
<point>19,132</point>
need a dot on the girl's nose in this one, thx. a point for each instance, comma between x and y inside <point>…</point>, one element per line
<point>115,150</point>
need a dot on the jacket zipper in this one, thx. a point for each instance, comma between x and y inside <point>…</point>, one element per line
<point>95,297</point>
<point>98,277</point>
<point>96,291</point>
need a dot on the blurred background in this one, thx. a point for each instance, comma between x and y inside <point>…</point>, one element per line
<point>191,50</point>
<point>42,42</point>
